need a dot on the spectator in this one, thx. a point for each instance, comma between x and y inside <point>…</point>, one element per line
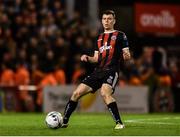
<point>48,80</point>
<point>22,77</point>
<point>7,76</point>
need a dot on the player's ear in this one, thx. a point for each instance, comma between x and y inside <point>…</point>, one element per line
<point>114,21</point>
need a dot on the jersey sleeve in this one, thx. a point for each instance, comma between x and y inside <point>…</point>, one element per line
<point>96,44</point>
<point>123,41</point>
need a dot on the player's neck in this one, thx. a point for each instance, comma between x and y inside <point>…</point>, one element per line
<point>109,31</point>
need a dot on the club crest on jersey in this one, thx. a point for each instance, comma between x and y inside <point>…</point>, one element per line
<point>105,47</point>
<point>113,37</point>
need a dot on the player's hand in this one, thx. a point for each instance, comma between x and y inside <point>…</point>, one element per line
<point>84,58</point>
<point>126,54</point>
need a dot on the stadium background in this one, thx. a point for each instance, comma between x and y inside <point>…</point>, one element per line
<point>41,42</point>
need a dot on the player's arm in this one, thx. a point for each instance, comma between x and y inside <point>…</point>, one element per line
<point>93,59</point>
<point>125,47</point>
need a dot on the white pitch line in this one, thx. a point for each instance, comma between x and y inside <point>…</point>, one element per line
<point>153,121</point>
<point>159,123</point>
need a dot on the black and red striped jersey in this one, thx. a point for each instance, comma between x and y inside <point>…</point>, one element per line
<point>110,45</point>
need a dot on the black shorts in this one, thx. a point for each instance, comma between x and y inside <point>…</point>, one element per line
<point>97,78</point>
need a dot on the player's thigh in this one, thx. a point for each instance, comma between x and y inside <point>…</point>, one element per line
<point>106,90</point>
<point>106,93</point>
<point>82,89</point>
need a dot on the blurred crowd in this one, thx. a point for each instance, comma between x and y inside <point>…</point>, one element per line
<point>153,64</point>
<point>38,37</point>
<point>40,46</point>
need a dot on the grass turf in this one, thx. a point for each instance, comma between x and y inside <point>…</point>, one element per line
<point>91,124</point>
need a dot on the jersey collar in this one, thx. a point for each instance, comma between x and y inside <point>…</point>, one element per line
<point>110,31</point>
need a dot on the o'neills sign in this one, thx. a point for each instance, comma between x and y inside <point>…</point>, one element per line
<point>157,18</point>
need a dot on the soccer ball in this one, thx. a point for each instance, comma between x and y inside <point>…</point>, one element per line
<point>54,119</point>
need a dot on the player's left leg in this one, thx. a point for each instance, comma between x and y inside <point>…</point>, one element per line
<point>106,93</point>
<point>80,91</point>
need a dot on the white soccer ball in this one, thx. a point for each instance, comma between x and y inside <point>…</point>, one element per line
<point>54,119</point>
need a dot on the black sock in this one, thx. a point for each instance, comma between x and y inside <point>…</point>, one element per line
<point>113,109</point>
<point>70,107</point>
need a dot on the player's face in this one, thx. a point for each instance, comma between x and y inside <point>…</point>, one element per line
<point>108,21</point>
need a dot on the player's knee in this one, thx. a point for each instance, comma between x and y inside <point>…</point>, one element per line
<point>107,98</point>
<point>104,95</point>
<point>76,95</point>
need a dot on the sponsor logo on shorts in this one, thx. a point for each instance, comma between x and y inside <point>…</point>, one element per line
<point>110,79</point>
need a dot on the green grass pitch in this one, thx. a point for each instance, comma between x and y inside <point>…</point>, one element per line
<point>80,124</point>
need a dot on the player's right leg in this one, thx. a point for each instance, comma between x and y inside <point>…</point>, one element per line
<point>80,91</point>
<point>106,93</point>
